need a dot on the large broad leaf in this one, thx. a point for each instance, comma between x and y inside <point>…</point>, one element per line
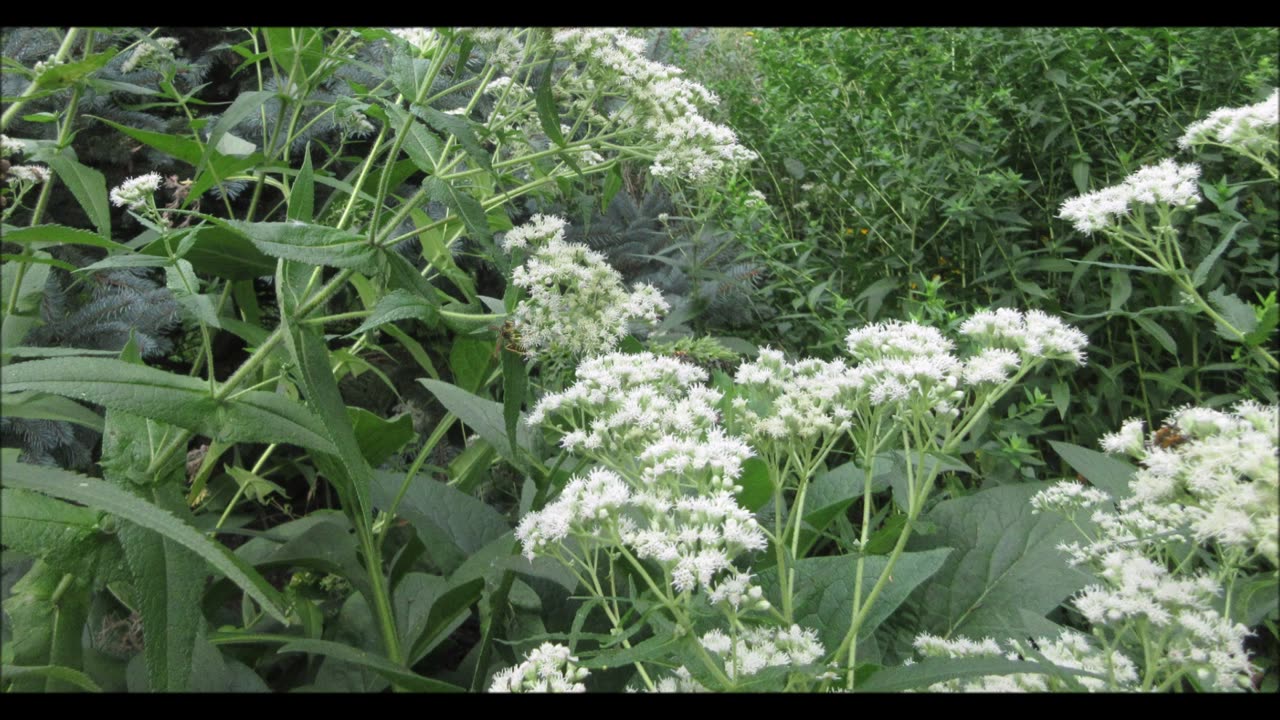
<point>429,608</point>
<point>322,541</point>
<point>450,523</point>
<point>460,128</point>
<point>216,250</point>
<point>183,401</point>
<point>70,538</point>
<point>108,497</point>
<point>379,438</point>
<point>832,492</point>
<point>87,185</point>
<point>483,416</point>
<point>463,205</point>
<point>824,589</point>
<point>43,236</point>
<point>1005,560</point>
<point>54,672</point>
<point>397,305</point>
<point>36,406</point>
<point>1099,469</point>
<point>310,244</point>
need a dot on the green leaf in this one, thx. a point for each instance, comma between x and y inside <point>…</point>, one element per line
<point>470,359</point>
<point>35,406</point>
<point>936,670</point>
<point>655,647</point>
<point>1162,336</point>
<point>1080,174</point>
<point>448,611</point>
<point>105,496</point>
<point>463,205</point>
<point>832,492</point>
<point>483,416</point>
<point>397,305</point>
<point>544,99</point>
<point>310,244</point>
<point>256,487</point>
<point>322,541</point>
<point>1233,310</point>
<point>514,385</point>
<point>314,371</point>
<point>42,236</point>
<point>183,401</point>
<point>1100,469</point>
<point>1005,559</point>
<point>168,581</point>
<point>408,74</point>
<point>757,488</point>
<point>57,672</point>
<point>460,128</point>
<point>824,589</point>
<point>451,524</point>
<point>302,195</point>
<point>245,104</point>
<point>67,537</point>
<point>380,665</point>
<point>219,251</point>
<point>1121,289</point>
<point>379,438</point>
<point>65,74</point>
<point>44,632</point>
<point>1206,265</point>
<point>87,185</point>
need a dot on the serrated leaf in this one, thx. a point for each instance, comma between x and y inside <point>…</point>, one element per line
<point>65,536</point>
<point>379,438</point>
<point>1005,559</point>
<point>483,416</point>
<point>222,252</point>
<point>35,406</point>
<point>380,665</point>
<point>1233,310</point>
<point>463,205</point>
<point>44,632</point>
<point>302,195</point>
<point>397,305</point>
<point>460,128</point>
<point>42,236</point>
<point>310,244</point>
<point>105,496</point>
<point>1206,265</point>
<point>544,100</point>
<point>87,185</point>
<point>1161,336</point>
<point>178,400</point>
<point>824,589</point>
<point>450,523</point>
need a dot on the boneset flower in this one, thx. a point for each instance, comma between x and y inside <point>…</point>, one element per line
<point>548,668</point>
<point>135,192</point>
<point>1250,127</point>
<point>1166,183</point>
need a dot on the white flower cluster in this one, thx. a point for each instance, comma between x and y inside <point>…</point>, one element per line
<point>1167,183</point>
<point>30,174</point>
<point>661,103</point>
<point>1250,127</point>
<point>549,668</point>
<point>1207,476</point>
<point>151,52</point>
<point>135,192</point>
<point>802,400</point>
<point>1032,334</point>
<point>422,39</point>
<point>1215,474</point>
<point>757,648</point>
<point>671,499</point>
<point>576,302</point>
<point>1069,650</point>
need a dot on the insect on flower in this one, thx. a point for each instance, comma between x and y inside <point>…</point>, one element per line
<point>1168,437</point>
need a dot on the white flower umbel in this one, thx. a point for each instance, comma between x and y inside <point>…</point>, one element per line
<point>423,40</point>
<point>1251,128</point>
<point>1033,334</point>
<point>29,174</point>
<point>548,668</point>
<point>584,508</point>
<point>757,648</point>
<point>10,147</point>
<point>576,304</point>
<point>136,192</point>
<point>1167,183</point>
<point>150,53</point>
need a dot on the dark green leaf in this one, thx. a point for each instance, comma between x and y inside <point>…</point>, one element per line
<point>483,416</point>
<point>310,244</point>
<point>380,665</point>
<point>460,128</point>
<point>451,524</point>
<point>302,195</point>
<point>397,305</point>
<point>87,185</point>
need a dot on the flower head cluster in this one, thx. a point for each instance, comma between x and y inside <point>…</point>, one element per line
<point>669,496</point>
<point>549,668</point>
<point>1069,650</point>
<point>757,648</point>
<point>10,147</point>
<point>662,104</point>
<point>151,52</point>
<point>576,302</point>
<point>1033,335</point>
<point>422,39</point>
<point>1166,183</point>
<point>30,174</point>
<point>801,400</point>
<point>135,192</point>
<point>1250,127</point>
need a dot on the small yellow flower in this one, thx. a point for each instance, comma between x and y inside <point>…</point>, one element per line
<point>866,230</point>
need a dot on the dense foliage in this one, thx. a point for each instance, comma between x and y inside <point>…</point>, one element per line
<point>520,360</point>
